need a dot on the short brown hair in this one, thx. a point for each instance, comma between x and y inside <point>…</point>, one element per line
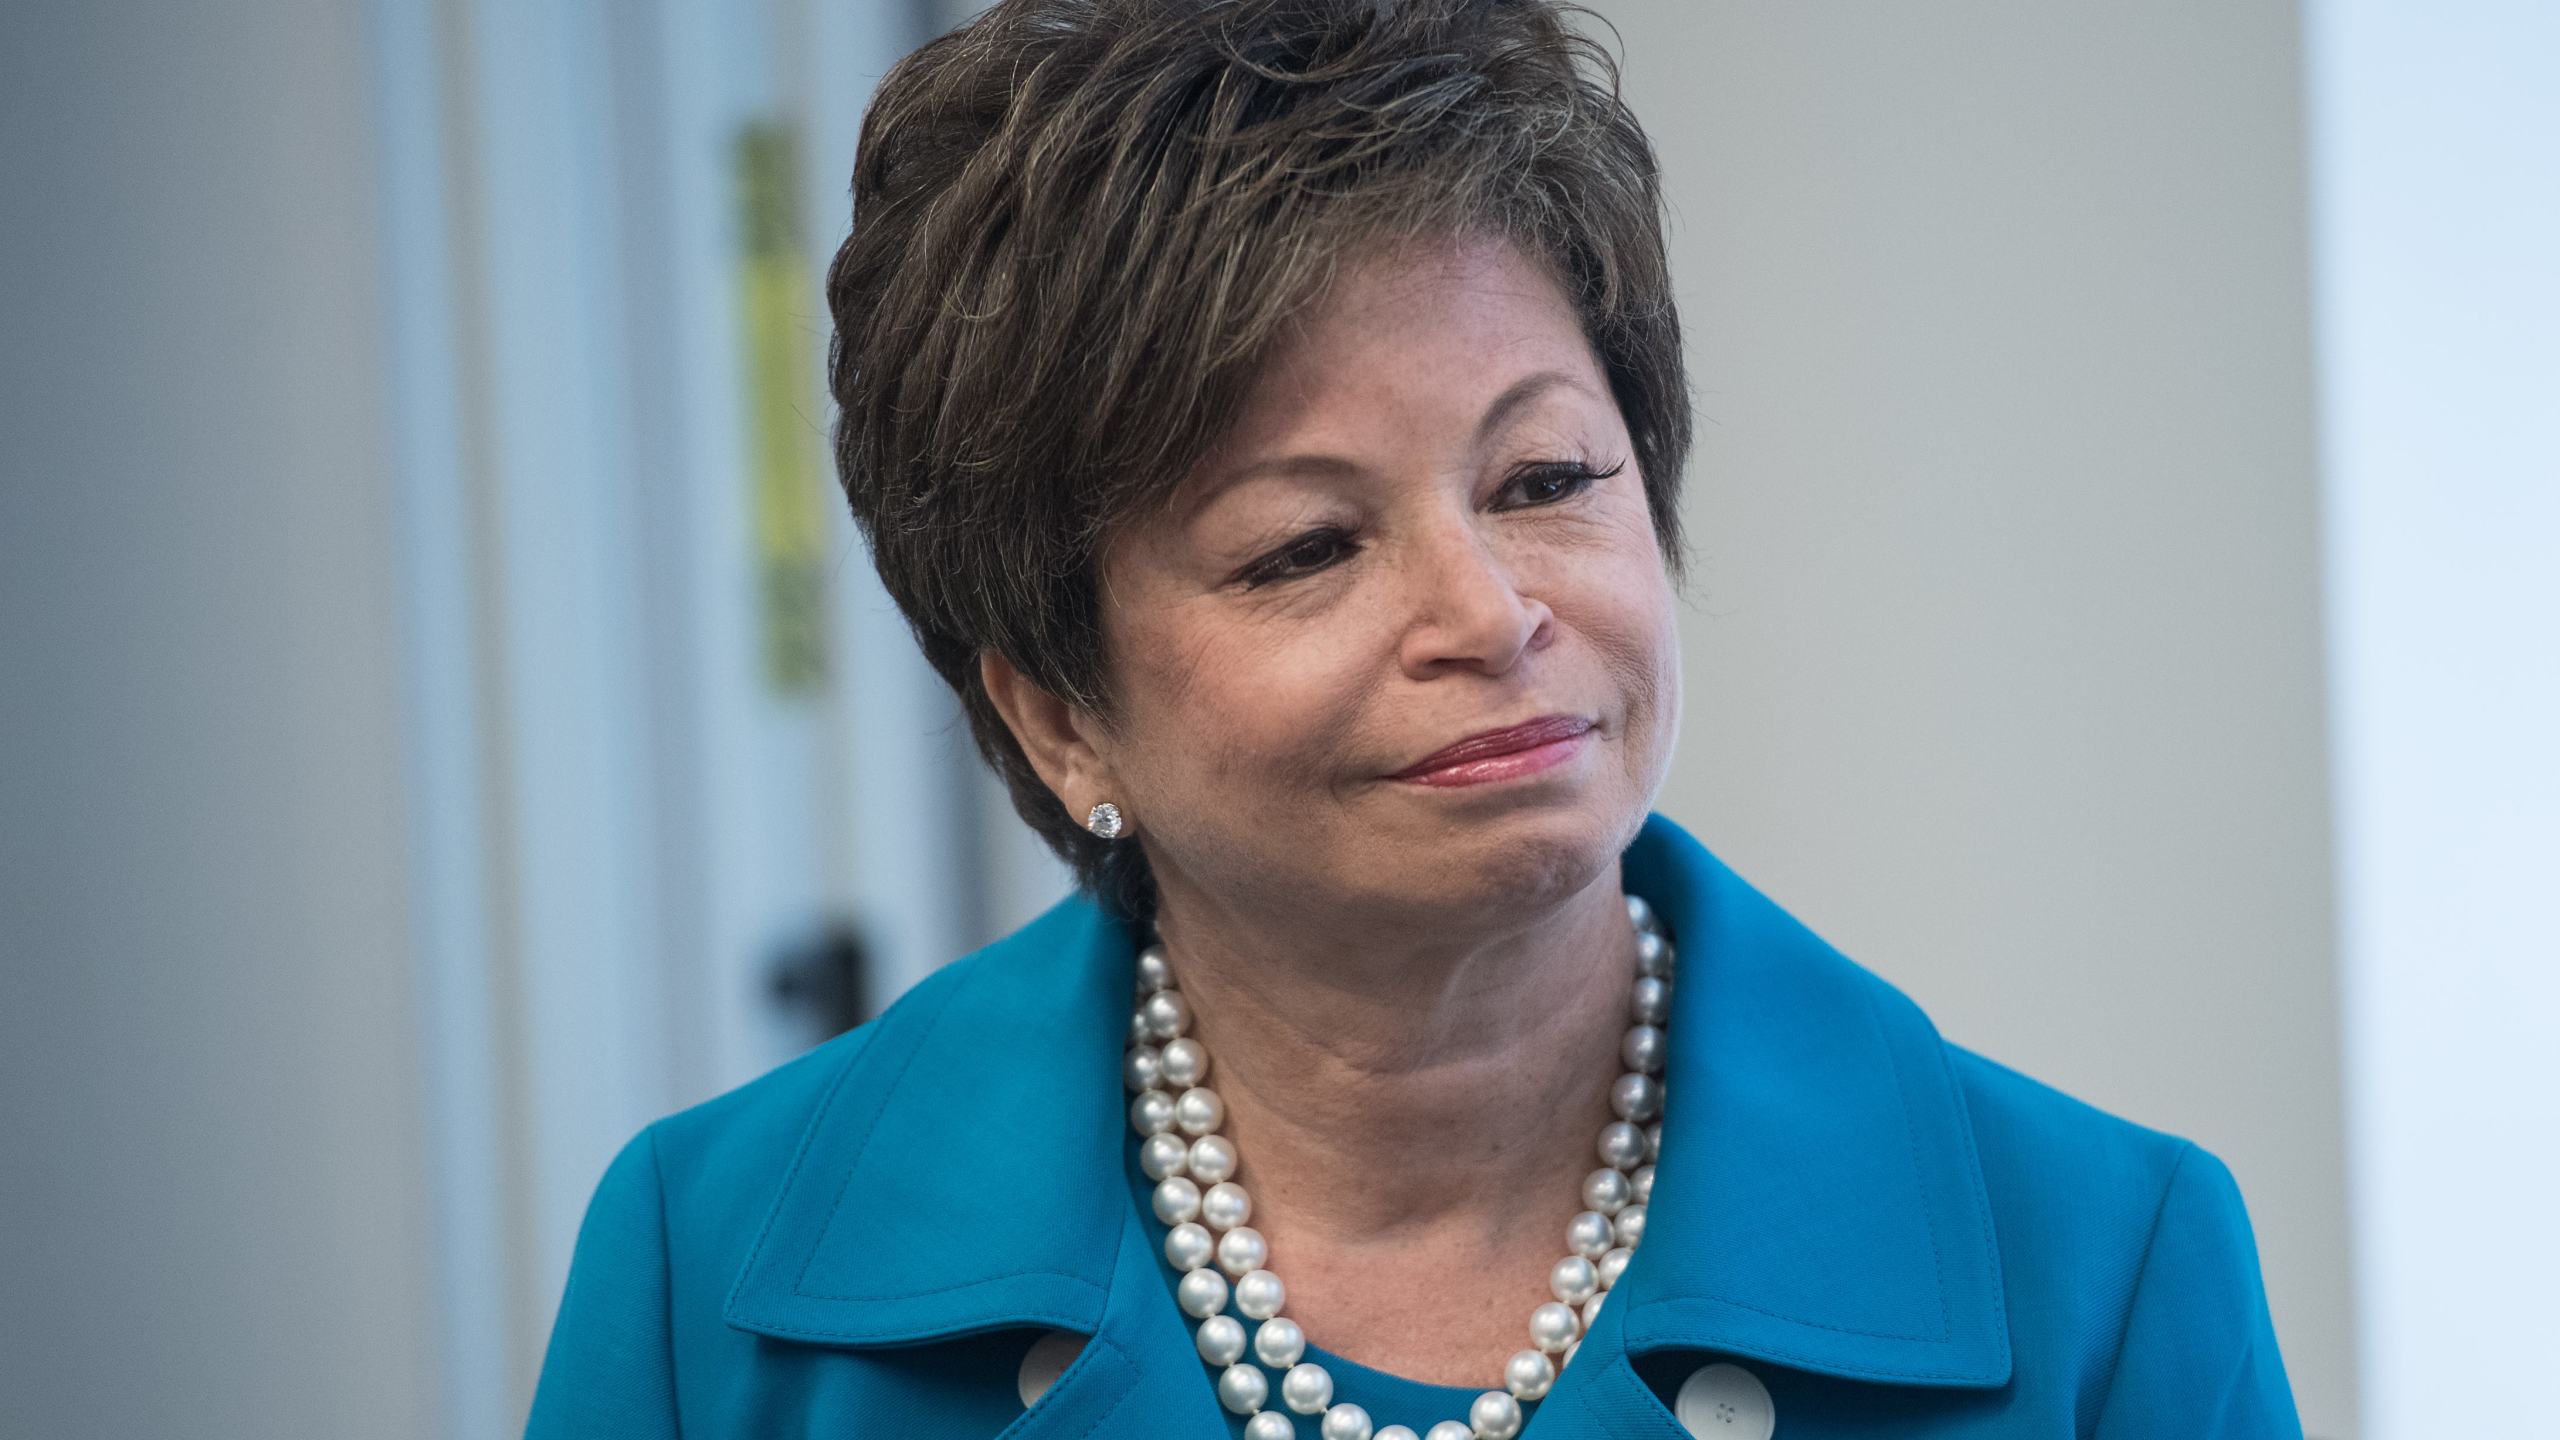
<point>1079,226</point>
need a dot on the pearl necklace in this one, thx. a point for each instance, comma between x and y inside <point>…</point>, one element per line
<point>1177,1117</point>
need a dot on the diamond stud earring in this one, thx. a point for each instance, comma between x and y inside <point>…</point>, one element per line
<point>1104,820</point>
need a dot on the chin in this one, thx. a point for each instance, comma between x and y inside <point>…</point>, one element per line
<point>1526,861</point>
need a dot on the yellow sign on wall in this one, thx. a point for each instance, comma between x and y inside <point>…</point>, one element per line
<point>779,311</point>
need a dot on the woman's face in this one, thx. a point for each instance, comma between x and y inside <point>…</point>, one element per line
<point>1428,525</point>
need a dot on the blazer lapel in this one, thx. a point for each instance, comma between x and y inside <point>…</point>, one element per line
<point>1005,1069</point>
<point>884,1232</point>
<point>1819,1203</point>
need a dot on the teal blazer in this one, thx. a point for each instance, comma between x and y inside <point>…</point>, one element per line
<point>1890,1234</point>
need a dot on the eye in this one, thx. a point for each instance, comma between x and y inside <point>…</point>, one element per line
<point>1305,555</point>
<point>1558,480</point>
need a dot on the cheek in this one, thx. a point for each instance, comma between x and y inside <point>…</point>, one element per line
<point>1618,597</point>
<point>1229,714</point>
<point>1632,626</point>
<point>1660,660</point>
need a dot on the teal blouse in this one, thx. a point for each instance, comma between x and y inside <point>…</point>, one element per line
<point>1389,1399</point>
<point>1891,1235</point>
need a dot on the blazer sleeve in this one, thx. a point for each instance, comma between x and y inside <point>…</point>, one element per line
<point>610,1369</point>
<point>2198,1357</point>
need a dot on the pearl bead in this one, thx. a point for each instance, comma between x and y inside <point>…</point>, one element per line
<point>1591,1311</point>
<point>1344,1422</point>
<point>1185,1062</point>
<point>1188,1247</point>
<point>1168,1014</point>
<point>1528,1374</point>
<point>1621,1145</point>
<point>1630,1226</point>
<point>1213,1158</point>
<point>1397,1432</point>
<point>1279,1343</point>
<point>1569,1352</point>
<point>1200,1111</point>
<point>1650,1004</point>
<point>1203,1293</point>
<point>1642,1049</point>
<point>1613,1265</point>
<point>1589,1235</point>
<point>1259,1294</point>
<point>1495,1416</point>
<point>1163,1156</point>
<point>1242,1388</point>
<point>1226,1206</point>
<point>1653,1141</point>
<point>1138,1028</point>
<point>1653,955</point>
<point>1640,1184</point>
<point>1634,1097</point>
<point>1241,1251</point>
<point>1270,1425</point>
<point>1154,970</point>
<point>1641,914</point>
<point>1143,1068</point>
<point>1604,1190</point>
<point>1177,1199</point>
<point>1574,1280</point>
<point>1306,1389</point>
<point>1553,1326</point>
<point>1151,1113</point>
<point>1221,1340</point>
<point>1451,1430</point>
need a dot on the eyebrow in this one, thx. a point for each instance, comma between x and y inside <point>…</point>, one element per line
<point>1513,398</point>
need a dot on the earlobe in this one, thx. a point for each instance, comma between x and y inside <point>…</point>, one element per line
<point>1048,731</point>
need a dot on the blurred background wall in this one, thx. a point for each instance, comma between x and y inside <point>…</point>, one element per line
<point>446,722</point>
<point>2004,653</point>
<point>214,1202</point>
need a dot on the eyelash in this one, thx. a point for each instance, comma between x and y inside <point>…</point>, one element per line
<point>1271,569</point>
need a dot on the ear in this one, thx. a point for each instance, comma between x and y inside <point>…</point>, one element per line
<point>1058,738</point>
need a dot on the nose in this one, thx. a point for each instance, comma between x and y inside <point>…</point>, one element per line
<point>1468,609</point>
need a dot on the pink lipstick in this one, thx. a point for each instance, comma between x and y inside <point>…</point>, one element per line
<point>1505,754</point>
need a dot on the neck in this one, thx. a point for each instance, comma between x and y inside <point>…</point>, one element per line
<point>1415,1091</point>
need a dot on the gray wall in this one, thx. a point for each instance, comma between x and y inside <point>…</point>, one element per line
<point>2004,648</point>
<point>210,1206</point>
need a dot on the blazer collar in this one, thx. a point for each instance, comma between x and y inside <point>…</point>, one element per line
<point>1818,1205</point>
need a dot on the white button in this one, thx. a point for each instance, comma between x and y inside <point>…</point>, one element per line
<point>1050,1356</point>
<point>1726,1402</point>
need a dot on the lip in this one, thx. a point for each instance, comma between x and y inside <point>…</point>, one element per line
<point>1555,736</point>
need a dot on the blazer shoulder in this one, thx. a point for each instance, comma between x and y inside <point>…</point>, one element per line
<point>731,1133</point>
<point>2091,1205</point>
<point>722,1161</point>
<point>750,1133</point>
<point>2025,1126</point>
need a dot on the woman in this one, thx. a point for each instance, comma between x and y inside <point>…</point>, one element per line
<point>1269,414</point>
